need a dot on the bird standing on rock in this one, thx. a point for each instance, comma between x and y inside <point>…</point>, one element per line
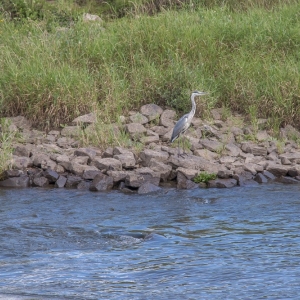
<point>185,121</point>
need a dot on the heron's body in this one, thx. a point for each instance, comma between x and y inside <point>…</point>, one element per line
<point>185,121</point>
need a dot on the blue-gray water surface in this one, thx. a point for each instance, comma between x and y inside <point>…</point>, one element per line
<point>239,243</point>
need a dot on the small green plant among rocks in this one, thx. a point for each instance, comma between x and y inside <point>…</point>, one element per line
<point>204,177</point>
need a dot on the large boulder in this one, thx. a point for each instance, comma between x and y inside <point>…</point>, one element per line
<point>107,164</point>
<point>51,175</point>
<point>183,182</point>
<point>167,118</point>
<point>138,118</point>
<point>15,182</point>
<point>21,162</point>
<point>222,183</point>
<point>61,181</point>
<point>40,181</point>
<point>135,130</point>
<point>102,182</point>
<point>137,178</point>
<point>118,176</point>
<point>163,169</point>
<point>147,154</point>
<point>72,181</point>
<point>151,111</point>
<point>91,153</point>
<point>147,188</point>
<point>127,160</point>
<point>85,119</point>
<point>276,169</point>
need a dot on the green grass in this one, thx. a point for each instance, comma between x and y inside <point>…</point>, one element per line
<point>245,58</point>
<point>7,136</point>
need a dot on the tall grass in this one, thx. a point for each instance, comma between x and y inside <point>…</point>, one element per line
<point>243,58</point>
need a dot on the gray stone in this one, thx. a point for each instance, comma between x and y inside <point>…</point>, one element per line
<point>273,156</point>
<point>108,164</point>
<point>108,153</point>
<point>293,157</point>
<point>21,122</point>
<point>268,175</point>
<point>227,160</point>
<point>51,175</point>
<point>188,173</point>
<point>39,159</point>
<point>184,183</point>
<point>135,130</point>
<point>225,174</point>
<point>222,183</point>
<point>84,185</point>
<point>260,178</point>
<point>233,149</point>
<point>147,154</point>
<point>61,181</point>
<point>276,169</point>
<point>82,160</point>
<point>147,188</point>
<point>287,180</point>
<point>86,152</point>
<point>211,145</point>
<point>254,149</point>
<point>21,162</point>
<point>293,172</point>
<point>72,181</point>
<point>289,132</point>
<point>151,111</point>
<point>138,118</point>
<point>243,177</point>
<point>190,162</point>
<point>160,167</point>
<point>64,161</point>
<point>262,135</point>
<point>149,139</point>
<point>127,160</point>
<point>167,118</point>
<point>149,175</point>
<point>285,161</point>
<point>167,136</point>
<point>160,130</point>
<point>85,119</point>
<point>40,181</point>
<point>120,150</point>
<point>65,142</point>
<point>90,173</point>
<point>13,173</point>
<point>102,182</point>
<point>236,131</point>
<point>78,169</point>
<point>21,150</point>
<point>134,180</point>
<point>16,182</point>
<point>118,176</point>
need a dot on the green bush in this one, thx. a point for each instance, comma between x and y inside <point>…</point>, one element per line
<point>204,177</point>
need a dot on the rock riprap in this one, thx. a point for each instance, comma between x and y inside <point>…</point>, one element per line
<point>56,158</point>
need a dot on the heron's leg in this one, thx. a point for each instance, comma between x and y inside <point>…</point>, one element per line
<point>178,154</point>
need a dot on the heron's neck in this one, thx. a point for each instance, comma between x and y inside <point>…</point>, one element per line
<point>193,104</point>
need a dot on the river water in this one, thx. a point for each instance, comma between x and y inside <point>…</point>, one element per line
<point>239,243</point>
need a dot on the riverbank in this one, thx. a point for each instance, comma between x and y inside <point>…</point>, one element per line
<point>221,152</point>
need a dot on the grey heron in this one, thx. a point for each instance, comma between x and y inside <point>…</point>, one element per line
<point>185,121</point>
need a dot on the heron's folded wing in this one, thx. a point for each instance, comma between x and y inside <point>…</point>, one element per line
<point>180,127</point>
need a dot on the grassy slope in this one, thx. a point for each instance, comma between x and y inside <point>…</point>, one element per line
<point>248,61</point>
